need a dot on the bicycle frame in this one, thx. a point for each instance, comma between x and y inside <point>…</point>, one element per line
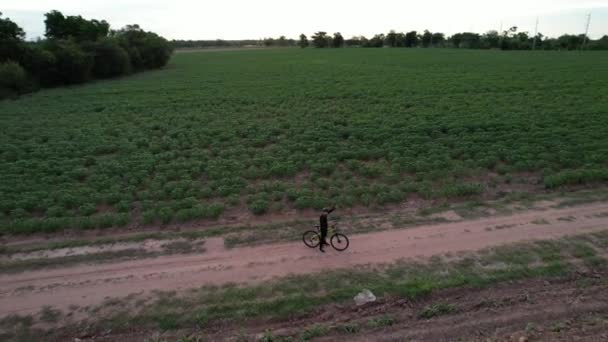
<point>331,230</point>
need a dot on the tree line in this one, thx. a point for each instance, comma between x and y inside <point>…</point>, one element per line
<point>75,50</point>
<point>282,41</point>
<point>510,39</point>
<point>217,43</point>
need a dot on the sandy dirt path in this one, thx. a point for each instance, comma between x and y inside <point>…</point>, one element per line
<point>85,285</point>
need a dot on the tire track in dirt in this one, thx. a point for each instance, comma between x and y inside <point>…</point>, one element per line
<point>85,285</point>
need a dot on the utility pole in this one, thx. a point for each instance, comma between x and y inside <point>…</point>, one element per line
<point>586,31</point>
<point>535,35</point>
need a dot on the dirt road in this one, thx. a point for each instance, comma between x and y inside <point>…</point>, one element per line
<point>86,285</point>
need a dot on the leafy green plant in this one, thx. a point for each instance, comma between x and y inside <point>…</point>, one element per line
<point>349,328</point>
<point>259,206</point>
<point>381,321</point>
<point>313,331</point>
<point>436,309</point>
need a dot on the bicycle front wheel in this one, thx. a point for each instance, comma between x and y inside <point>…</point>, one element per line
<point>339,242</point>
<point>311,238</point>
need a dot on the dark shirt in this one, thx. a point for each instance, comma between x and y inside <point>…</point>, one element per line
<point>323,219</point>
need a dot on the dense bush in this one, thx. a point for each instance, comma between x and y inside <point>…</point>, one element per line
<point>600,44</point>
<point>146,50</point>
<point>155,51</point>
<point>77,50</point>
<point>72,64</point>
<point>40,63</point>
<point>110,59</point>
<point>13,79</point>
<point>11,49</point>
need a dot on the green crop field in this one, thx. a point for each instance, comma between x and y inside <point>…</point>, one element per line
<point>271,130</point>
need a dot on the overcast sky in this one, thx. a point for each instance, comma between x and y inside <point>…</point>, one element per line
<point>238,19</point>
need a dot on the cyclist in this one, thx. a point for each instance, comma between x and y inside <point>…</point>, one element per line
<point>323,226</point>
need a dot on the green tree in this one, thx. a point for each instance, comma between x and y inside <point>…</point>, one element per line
<point>456,40</point>
<point>506,42</point>
<point>110,59</point>
<point>377,41</point>
<point>10,30</point>
<point>391,39</point>
<point>13,79</point>
<point>523,41</point>
<point>491,40</point>
<point>539,39</point>
<point>55,25</point>
<point>471,40</point>
<point>356,41</point>
<point>40,63</point>
<point>282,41</point>
<point>269,42</point>
<point>600,44</point>
<point>400,39</point>
<point>59,26</point>
<point>319,39</point>
<point>426,38</point>
<point>411,39</point>
<point>438,39</point>
<point>146,49</point>
<point>303,42</point>
<point>338,40</point>
<point>570,41</point>
<point>155,51</point>
<point>466,40</point>
<point>72,64</point>
<point>11,40</point>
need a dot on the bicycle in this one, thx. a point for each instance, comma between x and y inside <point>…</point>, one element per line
<point>337,240</point>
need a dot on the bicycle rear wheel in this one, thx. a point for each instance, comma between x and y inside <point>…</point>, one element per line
<point>311,238</point>
<point>339,242</point>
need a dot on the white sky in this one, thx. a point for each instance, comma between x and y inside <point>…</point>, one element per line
<point>238,19</point>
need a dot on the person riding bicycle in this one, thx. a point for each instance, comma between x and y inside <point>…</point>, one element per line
<point>323,226</point>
